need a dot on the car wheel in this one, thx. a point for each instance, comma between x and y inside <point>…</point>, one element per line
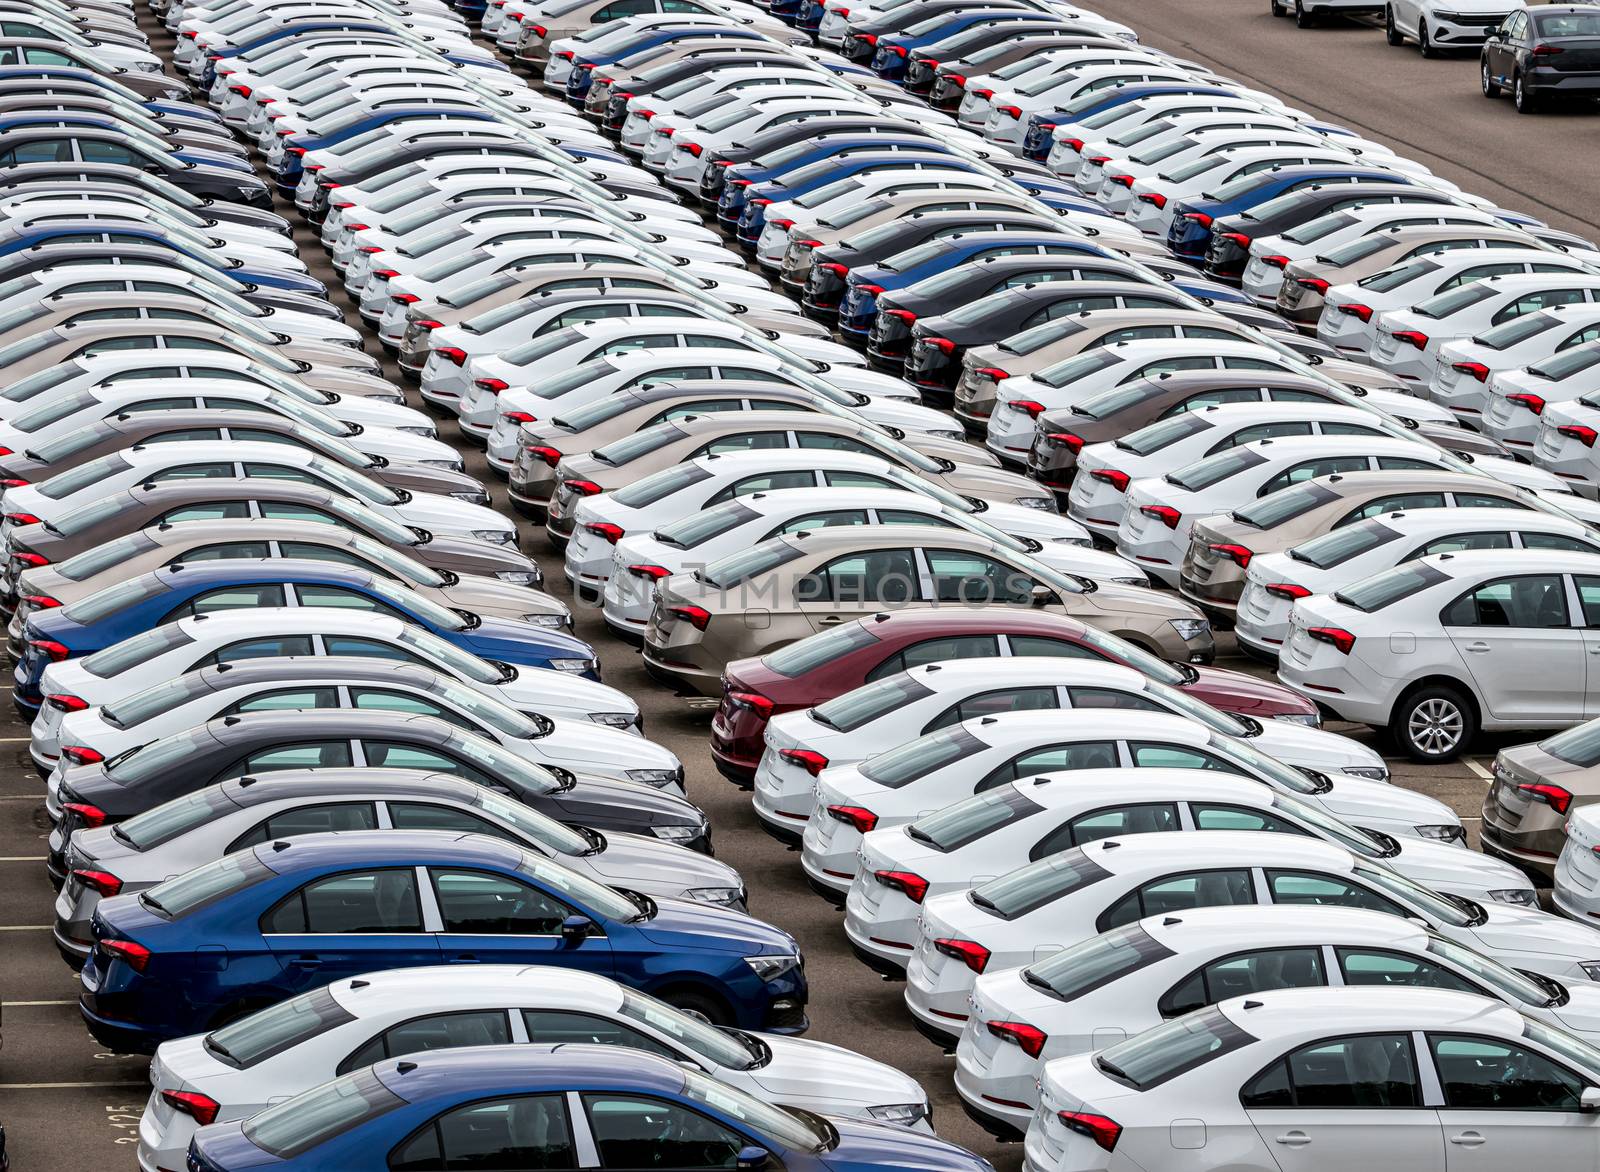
<point>1490,89</point>
<point>1434,723</point>
<point>1390,33</point>
<point>1302,19</point>
<point>699,1005</point>
<point>1525,102</point>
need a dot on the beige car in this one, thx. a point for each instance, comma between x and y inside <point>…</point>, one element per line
<point>957,466</point>
<point>1305,281</point>
<point>152,548</point>
<point>1220,547</point>
<point>812,580</point>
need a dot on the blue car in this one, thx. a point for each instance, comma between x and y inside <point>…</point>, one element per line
<point>296,146</point>
<point>521,1104</point>
<point>24,239</point>
<point>283,917</point>
<point>859,305</point>
<point>196,588</point>
<point>582,74</point>
<point>1189,234</point>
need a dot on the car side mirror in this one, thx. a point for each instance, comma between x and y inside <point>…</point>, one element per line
<point>1588,1103</point>
<point>1042,596</point>
<point>575,930</point>
<point>753,1158</point>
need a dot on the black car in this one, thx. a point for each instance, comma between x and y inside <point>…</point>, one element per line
<point>45,144</point>
<point>249,744</point>
<point>1544,52</point>
<point>1229,250</point>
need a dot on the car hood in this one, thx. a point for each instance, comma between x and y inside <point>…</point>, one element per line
<point>1234,691</point>
<point>679,923</point>
<point>810,1071</point>
<point>639,861</point>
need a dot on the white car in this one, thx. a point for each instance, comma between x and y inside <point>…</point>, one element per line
<point>398,1012</point>
<point>1349,311</point>
<point>1442,647</point>
<point>1456,24</point>
<point>985,752</point>
<point>890,712</point>
<point>1471,311</point>
<point>162,654</point>
<point>1161,511</point>
<point>1131,979</point>
<point>1039,909</point>
<point>1274,581</point>
<point>972,841</point>
<point>1392,1078</point>
<point>1517,398</point>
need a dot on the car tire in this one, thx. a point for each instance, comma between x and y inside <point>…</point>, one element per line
<point>1525,102</point>
<point>1434,723</point>
<point>701,1005</point>
<point>1390,32</point>
<point>1424,44</point>
<point>1490,88</point>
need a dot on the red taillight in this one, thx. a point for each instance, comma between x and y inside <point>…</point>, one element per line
<point>1029,407</point>
<point>1154,198</point>
<point>942,345</point>
<point>82,755</point>
<point>1584,435</point>
<point>56,651</point>
<point>453,354</point>
<point>1199,218</point>
<point>1315,284</point>
<point>612,533</point>
<point>136,955</point>
<point>654,573</point>
<point>1166,514</point>
<point>90,816</point>
<point>1117,480</point>
<point>42,601</point>
<point>1364,312</point>
<point>1532,402</point>
<point>583,487</point>
<point>969,952</point>
<point>860,817</point>
<point>203,1108</point>
<point>1018,1033</point>
<point>22,518</point>
<point>1341,639</point>
<point>812,762</point>
<point>62,702</point>
<point>102,881</point>
<point>1287,590</point>
<point>1238,238</point>
<point>1121,180</point>
<point>1238,553</point>
<point>1105,1132</point>
<point>1010,111</point>
<point>1067,440</point>
<point>1476,369</point>
<point>1553,796</point>
<point>992,373</point>
<point>696,616</point>
<point>914,886</point>
<point>754,701</point>
<point>493,385</point>
<point>1411,338</point>
<point>904,315</point>
<point>550,456</point>
<point>30,559</point>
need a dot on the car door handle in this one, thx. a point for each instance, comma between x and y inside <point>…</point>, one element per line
<point>1478,648</point>
<point>1467,1139</point>
<point>1293,1139</point>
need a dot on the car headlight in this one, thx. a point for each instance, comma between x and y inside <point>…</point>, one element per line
<point>677,833</point>
<point>1591,969</point>
<point>572,665</point>
<point>1190,629</point>
<point>519,577</point>
<point>622,720</point>
<point>1309,719</point>
<point>548,620</point>
<point>727,896</point>
<point>770,968</point>
<point>493,536</point>
<point>425,431</point>
<point>901,1114</point>
<point>1521,896</point>
<point>1447,832</point>
<point>659,778</point>
<point>1370,772</point>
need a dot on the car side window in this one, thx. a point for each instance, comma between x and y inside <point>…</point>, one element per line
<point>994,702</point>
<point>1371,966</point>
<point>1180,893</point>
<point>632,1132</point>
<point>1326,890</point>
<point>1364,1072</point>
<point>257,597</point>
<point>555,1026</point>
<point>441,1031</point>
<point>1311,469</point>
<point>1143,818</point>
<point>1393,504</point>
<point>881,575</point>
<point>1529,601</point>
<point>1248,972</point>
<point>1152,755</point>
<point>1491,1074</point>
<point>1456,542</point>
<point>324,819</point>
<point>522,1131</point>
<point>353,902</point>
<point>482,904</point>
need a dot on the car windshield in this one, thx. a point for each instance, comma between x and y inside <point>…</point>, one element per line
<point>1163,1053</point>
<point>276,1029</point>
<point>1391,279</point>
<point>1160,434</point>
<point>102,557</point>
<point>906,763</point>
<point>1576,746</point>
<point>1215,469</point>
<point>788,1129</point>
<point>746,564</point>
<point>204,885</point>
<point>102,604</point>
<point>1385,589</point>
<point>698,528</point>
<point>171,819</point>
<point>816,650</point>
<point>299,1124</point>
<point>132,711</point>
<point>862,706</point>
<point>1518,329</point>
<point>714,1045</point>
<point>1285,505</point>
<point>1089,964</point>
<point>1078,366</point>
<point>1454,300</point>
<point>1340,545</point>
<point>967,822</point>
<point>1043,882</point>
<point>75,480</point>
<point>132,652</point>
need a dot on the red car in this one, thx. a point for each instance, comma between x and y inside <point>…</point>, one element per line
<point>833,662</point>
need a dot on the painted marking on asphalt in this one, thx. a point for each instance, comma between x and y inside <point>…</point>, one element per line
<point>1477,768</point>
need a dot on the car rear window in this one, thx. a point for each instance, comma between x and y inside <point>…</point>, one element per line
<point>1284,505</point>
<point>903,765</point>
<point>861,706</point>
<point>1032,887</point>
<point>204,885</point>
<point>272,1031</point>
<point>1089,964</point>
<point>318,1115</point>
<point>1339,546</point>
<point>812,652</point>
<point>1577,746</point>
<point>966,822</point>
<point>1389,587</point>
<point>1163,1053</point>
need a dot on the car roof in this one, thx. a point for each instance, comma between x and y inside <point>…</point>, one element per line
<point>370,781</point>
<point>446,987</point>
<point>960,674</point>
<point>1314,1013</point>
<point>287,855</point>
<point>1073,788</point>
<point>1276,925</point>
<point>1136,853</point>
<point>482,1069</point>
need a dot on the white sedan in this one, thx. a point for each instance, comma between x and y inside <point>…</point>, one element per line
<point>1116,985</point>
<point>985,752</point>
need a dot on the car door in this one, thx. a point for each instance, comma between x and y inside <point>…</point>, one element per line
<point>492,917</point>
<point>1502,1098</point>
<point>346,923</point>
<point>1346,1102</point>
<point>1516,638</point>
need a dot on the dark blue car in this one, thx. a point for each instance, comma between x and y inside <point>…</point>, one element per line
<point>113,231</point>
<point>284,917</point>
<point>1189,234</point>
<point>196,588</point>
<point>540,1107</point>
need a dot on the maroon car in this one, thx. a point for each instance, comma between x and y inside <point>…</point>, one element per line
<point>833,662</point>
